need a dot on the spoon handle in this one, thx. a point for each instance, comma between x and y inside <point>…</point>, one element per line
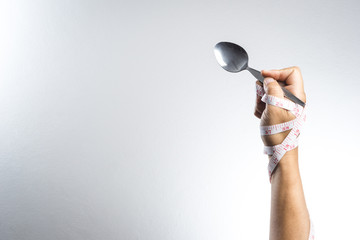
<point>292,97</point>
<point>256,74</point>
<point>288,94</point>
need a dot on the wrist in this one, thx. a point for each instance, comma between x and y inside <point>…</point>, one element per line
<point>288,166</point>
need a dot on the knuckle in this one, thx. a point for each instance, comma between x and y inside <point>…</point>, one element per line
<point>296,69</point>
<point>274,90</point>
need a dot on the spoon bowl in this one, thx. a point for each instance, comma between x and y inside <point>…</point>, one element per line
<point>231,57</point>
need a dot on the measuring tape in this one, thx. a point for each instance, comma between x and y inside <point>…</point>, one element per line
<point>292,139</point>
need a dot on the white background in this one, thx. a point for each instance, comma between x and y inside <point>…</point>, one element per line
<point>116,122</point>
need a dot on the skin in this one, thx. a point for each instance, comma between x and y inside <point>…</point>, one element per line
<point>289,217</point>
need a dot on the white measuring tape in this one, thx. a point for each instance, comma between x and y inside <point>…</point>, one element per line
<point>291,141</point>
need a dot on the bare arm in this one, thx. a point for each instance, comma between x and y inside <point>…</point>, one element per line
<point>289,215</point>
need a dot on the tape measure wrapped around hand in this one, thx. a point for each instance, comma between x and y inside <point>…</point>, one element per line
<point>281,119</point>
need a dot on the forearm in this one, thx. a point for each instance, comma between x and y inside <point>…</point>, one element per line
<point>289,214</point>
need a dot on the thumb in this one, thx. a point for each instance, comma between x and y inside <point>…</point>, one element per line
<point>272,87</point>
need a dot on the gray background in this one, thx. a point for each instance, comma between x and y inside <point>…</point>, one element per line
<point>117,122</point>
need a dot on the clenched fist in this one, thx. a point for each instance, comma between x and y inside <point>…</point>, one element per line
<point>291,79</point>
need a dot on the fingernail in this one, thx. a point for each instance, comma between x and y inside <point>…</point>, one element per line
<point>268,80</point>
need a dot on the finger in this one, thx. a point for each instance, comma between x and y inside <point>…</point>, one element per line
<point>259,105</point>
<point>290,75</point>
<point>290,78</point>
<point>272,87</point>
<point>281,74</point>
<point>258,114</point>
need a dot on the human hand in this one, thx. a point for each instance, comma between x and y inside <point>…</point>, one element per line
<point>291,79</point>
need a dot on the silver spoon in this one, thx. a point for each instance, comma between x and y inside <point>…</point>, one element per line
<point>234,58</point>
